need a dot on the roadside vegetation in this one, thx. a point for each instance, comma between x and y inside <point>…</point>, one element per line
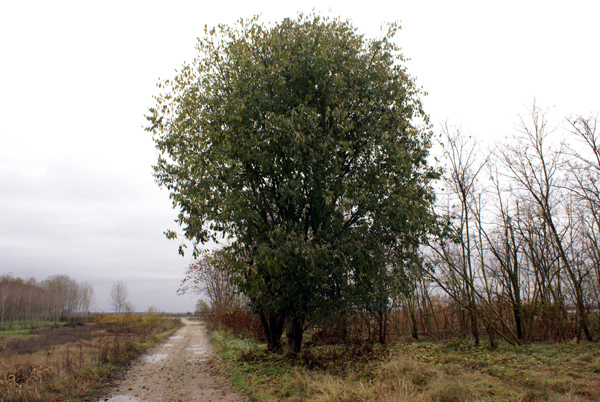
<point>369,268</point>
<point>72,360</point>
<point>409,370</point>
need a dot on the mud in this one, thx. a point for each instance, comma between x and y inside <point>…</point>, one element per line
<point>184,369</point>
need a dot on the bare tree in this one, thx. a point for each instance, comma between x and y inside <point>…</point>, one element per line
<point>459,279</point>
<point>5,288</point>
<point>584,168</point>
<point>535,168</point>
<point>86,296</point>
<point>119,297</point>
<point>209,276</point>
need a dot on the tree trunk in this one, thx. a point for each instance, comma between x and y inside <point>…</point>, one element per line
<point>273,329</point>
<point>382,326</point>
<point>413,320</point>
<point>492,337</point>
<point>293,333</point>
<point>576,282</point>
<point>474,325</point>
<point>518,320</point>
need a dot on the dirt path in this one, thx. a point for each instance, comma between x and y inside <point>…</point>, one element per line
<point>183,368</point>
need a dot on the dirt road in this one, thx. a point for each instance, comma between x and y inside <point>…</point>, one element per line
<point>183,368</point>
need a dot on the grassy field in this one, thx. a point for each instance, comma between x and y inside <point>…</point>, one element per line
<point>13,332</point>
<point>442,371</point>
<point>26,325</point>
<point>71,363</point>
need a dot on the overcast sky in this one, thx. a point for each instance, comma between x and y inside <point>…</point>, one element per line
<point>77,196</point>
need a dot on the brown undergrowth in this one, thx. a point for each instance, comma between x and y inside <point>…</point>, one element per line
<point>415,371</point>
<point>69,363</point>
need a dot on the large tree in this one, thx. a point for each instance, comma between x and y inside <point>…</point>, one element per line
<point>305,146</point>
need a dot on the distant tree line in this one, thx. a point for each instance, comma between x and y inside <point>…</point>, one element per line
<point>33,303</point>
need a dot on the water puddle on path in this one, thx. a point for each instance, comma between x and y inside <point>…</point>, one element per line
<point>119,398</point>
<point>198,351</point>
<point>168,345</point>
<point>155,358</point>
<point>176,337</point>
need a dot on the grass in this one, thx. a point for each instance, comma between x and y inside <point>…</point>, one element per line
<point>15,332</point>
<point>414,371</point>
<point>71,363</point>
<point>26,325</point>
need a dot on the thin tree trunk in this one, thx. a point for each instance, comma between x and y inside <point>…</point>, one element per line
<point>273,329</point>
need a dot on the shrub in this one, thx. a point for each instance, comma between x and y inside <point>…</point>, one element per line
<point>239,321</point>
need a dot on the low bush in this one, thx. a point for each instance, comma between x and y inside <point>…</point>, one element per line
<point>238,321</point>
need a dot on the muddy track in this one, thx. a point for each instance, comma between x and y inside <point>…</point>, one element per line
<point>183,368</point>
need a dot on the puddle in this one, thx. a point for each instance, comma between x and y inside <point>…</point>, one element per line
<point>198,349</point>
<point>176,337</point>
<point>156,357</point>
<point>168,345</point>
<point>119,398</point>
<point>198,359</point>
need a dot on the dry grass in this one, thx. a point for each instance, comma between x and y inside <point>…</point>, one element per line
<point>70,363</point>
<point>419,372</point>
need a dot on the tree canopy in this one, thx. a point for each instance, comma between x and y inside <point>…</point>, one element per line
<point>304,147</point>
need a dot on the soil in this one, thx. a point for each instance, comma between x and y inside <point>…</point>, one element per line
<point>183,368</point>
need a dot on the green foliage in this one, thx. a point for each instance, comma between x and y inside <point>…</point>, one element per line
<point>298,143</point>
<point>15,332</point>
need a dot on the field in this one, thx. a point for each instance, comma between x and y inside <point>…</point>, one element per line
<point>446,371</point>
<point>73,361</point>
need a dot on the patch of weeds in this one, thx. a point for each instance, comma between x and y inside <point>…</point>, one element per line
<point>594,367</point>
<point>251,369</point>
<point>452,392</point>
<point>341,360</point>
<point>490,389</point>
<point>559,385</point>
<point>587,358</point>
<point>540,395</point>
<point>416,371</point>
<point>70,362</point>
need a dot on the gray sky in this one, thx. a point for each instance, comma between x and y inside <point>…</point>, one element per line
<point>77,195</point>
